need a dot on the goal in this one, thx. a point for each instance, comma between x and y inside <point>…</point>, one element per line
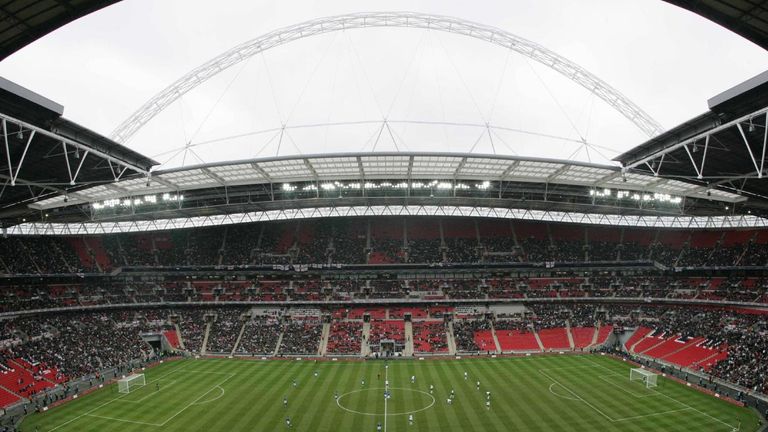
<point>647,377</point>
<point>130,383</point>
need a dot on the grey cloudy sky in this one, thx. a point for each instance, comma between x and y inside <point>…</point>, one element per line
<point>104,66</point>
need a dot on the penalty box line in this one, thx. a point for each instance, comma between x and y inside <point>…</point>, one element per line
<point>732,427</point>
<point>198,399</point>
<point>140,400</point>
<point>605,379</point>
<point>607,417</point>
<point>215,386</point>
<point>110,401</point>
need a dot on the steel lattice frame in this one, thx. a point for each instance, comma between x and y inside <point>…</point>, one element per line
<point>655,161</point>
<point>680,222</point>
<point>532,50</point>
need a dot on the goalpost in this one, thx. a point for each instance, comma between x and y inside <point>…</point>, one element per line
<point>131,382</point>
<point>647,377</point>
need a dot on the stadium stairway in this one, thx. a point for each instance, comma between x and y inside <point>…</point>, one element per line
<point>582,337</point>
<point>570,335</point>
<point>495,339</point>
<point>324,339</point>
<point>34,371</point>
<point>650,343</point>
<point>538,340</point>
<point>204,348</point>
<point>711,360</point>
<point>602,334</point>
<point>364,348</point>
<point>239,337</point>
<point>451,339</point>
<point>279,342</point>
<point>8,397</point>
<point>408,350</point>
<point>636,337</point>
<point>595,336</point>
<point>674,347</point>
<point>178,336</point>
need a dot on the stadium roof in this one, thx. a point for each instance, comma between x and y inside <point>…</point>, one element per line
<point>24,21</point>
<point>51,174</point>
<point>748,18</point>
<point>722,149</point>
<point>364,167</point>
<point>44,154</point>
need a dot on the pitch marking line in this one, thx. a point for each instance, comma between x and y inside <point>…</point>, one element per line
<point>652,414</point>
<point>389,413</point>
<point>124,420</point>
<point>631,393</point>
<point>541,371</point>
<point>559,395</point>
<point>165,385</point>
<point>109,402</point>
<point>214,399</point>
<point>198,399</point>
<point>673,399</point>
<point>386,388</point>
<point>609,418</point>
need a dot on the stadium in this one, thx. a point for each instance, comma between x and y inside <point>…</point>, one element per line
<point>383,221</point>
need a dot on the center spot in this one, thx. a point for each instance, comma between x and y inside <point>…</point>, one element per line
<point>421,401</point>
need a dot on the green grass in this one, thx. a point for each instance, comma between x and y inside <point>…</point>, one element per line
<point>575,393</point>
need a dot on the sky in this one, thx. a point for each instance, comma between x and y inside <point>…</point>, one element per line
<point>384,89</point>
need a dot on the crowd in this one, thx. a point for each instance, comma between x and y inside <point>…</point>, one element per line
<point>192,323</point>
<point>42,295</point>
<point>77,344</point>
<point>464,333</point>
<point>345,337</point>
<point>260,336</point>
<point>350,242</point>
<point>224,330</point>
<point>301,337</point>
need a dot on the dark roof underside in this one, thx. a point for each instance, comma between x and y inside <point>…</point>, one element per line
<point>748,18</point>
<point>24,21</point>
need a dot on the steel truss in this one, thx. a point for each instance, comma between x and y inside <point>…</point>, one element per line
<point>493,35</point>
<point>679,222</point>
<point>655,161</point>
<point>11,125</point>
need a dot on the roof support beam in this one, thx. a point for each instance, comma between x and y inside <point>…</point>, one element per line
<point>702,136</point>
<point>677,222</point>
<point>749,149</point>
<point>21,161</point>
<point>8,119</point>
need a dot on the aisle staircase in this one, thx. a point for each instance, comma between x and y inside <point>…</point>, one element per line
<point>178,335</point>
<point>239,337</point>
<point>495,339</point>
<point>279,342</point>
<point>364,348</point>
<point>538,340</point>
<point>204,348</point>
<point>451,339</point>
<point>408,350</point>
<point>324,340</point>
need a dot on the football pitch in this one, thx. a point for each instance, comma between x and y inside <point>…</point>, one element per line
<point>545,393</point>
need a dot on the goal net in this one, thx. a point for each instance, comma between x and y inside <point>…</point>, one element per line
<point>130,383</point>
<point>648,378</point>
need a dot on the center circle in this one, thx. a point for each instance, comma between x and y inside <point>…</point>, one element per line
<point>394,390</point>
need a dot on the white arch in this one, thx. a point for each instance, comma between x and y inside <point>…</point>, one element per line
<point>530,49</point>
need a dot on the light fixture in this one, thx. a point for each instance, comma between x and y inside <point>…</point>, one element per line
<point>20,134</point>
